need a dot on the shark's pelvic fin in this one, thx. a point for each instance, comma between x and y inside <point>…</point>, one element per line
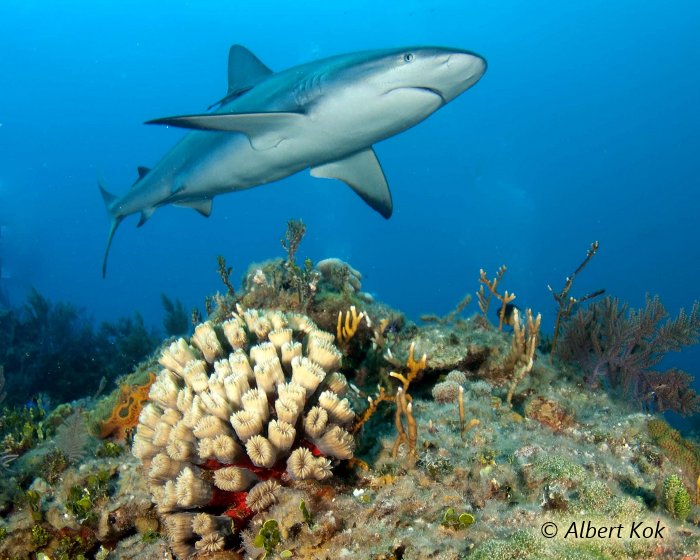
<point>203,206</point>
<point>264,130</point>
<point>115,220</point>
<point>363,173</point>
<point>146,213</point>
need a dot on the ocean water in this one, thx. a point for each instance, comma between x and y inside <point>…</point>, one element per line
<point>585,127</point>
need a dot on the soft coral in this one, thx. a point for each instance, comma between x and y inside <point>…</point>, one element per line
<point>620,346</point>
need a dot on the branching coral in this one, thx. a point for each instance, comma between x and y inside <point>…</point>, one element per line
<point>492,285</point>
<point>619,347</point>
<point>567,303</point>
<point>262,405</point>
<point>452,315</point>
<point>404,408</point>
<point>522,353</point>
<point>345,330</point>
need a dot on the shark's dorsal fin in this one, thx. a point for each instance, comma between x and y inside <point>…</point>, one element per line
<point>244,70</point>
<point>264,130</point>
<point>142,171</point>
<point>363,173</point>
<point>203,206</point>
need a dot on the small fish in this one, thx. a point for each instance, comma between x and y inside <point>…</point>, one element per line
<point>507,312</point>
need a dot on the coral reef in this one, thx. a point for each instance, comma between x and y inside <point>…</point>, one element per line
<point>263,403</point>
<point>249,446</point>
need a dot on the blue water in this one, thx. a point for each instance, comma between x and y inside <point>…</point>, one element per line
<point>586,127</point>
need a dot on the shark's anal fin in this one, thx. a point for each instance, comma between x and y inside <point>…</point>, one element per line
<point>203,206</point>
<point>363,174</point>
<point>264,130</point>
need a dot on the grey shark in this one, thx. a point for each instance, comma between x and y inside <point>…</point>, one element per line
<point>324,115</point>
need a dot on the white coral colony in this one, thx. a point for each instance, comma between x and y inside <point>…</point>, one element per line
<point>231,413</point>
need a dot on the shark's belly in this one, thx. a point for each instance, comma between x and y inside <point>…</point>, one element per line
<point>232,163</point>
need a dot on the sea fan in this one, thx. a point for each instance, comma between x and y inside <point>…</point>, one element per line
<point>72,437</point>
<point>619,347</point>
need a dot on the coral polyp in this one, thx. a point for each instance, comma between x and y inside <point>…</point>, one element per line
<point>251,403</point>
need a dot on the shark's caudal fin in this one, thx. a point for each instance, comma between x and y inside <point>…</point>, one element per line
<point>115,220</point>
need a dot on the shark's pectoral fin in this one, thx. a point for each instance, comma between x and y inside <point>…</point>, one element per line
<point>264,130</point>
<point>363,173</point>
<point>203,206</point>
<point>146,213</point>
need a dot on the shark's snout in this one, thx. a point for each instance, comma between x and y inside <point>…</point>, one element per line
<point>459,71</point>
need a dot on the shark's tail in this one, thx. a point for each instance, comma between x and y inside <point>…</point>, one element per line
<point>115,220</point>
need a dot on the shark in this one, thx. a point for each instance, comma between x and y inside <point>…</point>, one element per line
<point>324,115</point>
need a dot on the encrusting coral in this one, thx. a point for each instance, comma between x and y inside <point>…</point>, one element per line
<point>263,405</point>
<point>125,415</point>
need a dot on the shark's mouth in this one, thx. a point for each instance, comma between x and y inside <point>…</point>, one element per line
<point>433,91</point>
<point>426,89</point>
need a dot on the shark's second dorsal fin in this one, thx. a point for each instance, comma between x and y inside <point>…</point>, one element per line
<point>244,70</point>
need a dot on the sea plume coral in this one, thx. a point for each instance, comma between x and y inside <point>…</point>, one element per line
<point>251,403</point>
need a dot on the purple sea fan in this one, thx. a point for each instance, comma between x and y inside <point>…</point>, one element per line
<point>618,347</point>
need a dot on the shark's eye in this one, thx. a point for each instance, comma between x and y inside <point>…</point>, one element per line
<point>408,57</point>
